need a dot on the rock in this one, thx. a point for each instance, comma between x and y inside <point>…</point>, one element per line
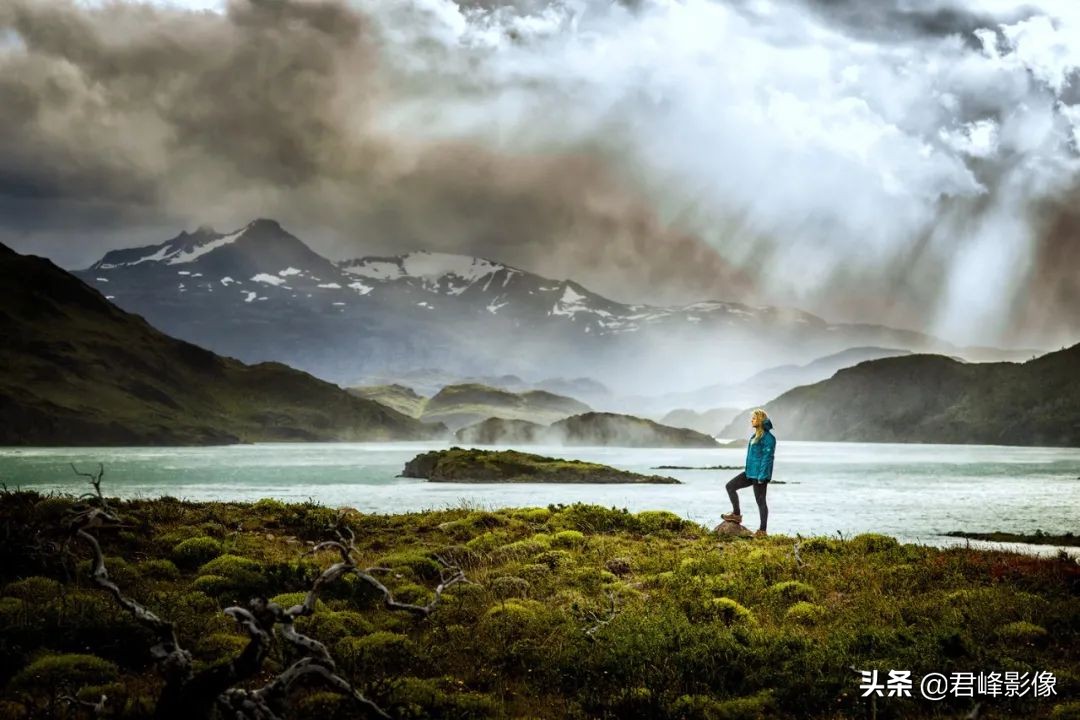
<point>510,466</point>
<point>732,528</point>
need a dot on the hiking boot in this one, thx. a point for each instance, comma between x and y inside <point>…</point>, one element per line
<point>732,517</point>
<point>760,533</point>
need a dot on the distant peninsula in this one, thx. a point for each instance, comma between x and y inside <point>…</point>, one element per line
<point>590,428</point>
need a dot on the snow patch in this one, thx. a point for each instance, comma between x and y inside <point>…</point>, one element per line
<point>195,253</point>
<point>331,286</point>
<point>569,303</point>
<point>102,279</point>
<point>250,296</point>
<point>226,280</point>
<point>288,271</point>
<point>268,279</point>
<point>360,287</point>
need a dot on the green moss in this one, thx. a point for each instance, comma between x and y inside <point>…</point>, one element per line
<point>158,569</point>
<point>322,705</point>
<point>533,515</point>
<point>1069,710</point>
<point>288,600</point>
<point>655,521</point>
<point>555,559</point>
<point>379,654</point>
<point>67,670</point>
<point>727,610</point>
<point>793,590</point>
<point>695,618</point>
<point>1023,632</point>
<point>805,613</point>
<point>212,585</point>
<point>38,590</point>
<point>269,507</point>
<point>220,645</point>
<point>508,586</point>
<point>418,564</point>
<point>521,549</point>
<point>196,551</point>
<point>229,566</point>
<point>568,539</point>
<point>535,572</point>
<point>331,626</point>
<point>706,707</point>
<point>873,543</point>
<point>820,546</point>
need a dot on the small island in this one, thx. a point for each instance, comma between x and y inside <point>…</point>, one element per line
<point>1036,538</point>
<point>510,466</point>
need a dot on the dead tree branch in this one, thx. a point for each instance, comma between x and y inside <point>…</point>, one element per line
<point>188,695</point>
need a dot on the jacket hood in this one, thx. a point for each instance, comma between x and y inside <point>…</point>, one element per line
<point>767,425</point>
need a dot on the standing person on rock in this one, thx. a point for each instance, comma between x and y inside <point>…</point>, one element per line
<point>759,463</point>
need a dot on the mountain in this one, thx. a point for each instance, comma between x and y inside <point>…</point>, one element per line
<point>400,398</point>
<point>500,431</point>
<point>935,399</point>
<point>428,381</point>
<point>755,389</point>
<point>259,293</point>
<point>80,371</point>
<point>709,422</point>
<point>591,428</point>
<point>459,405</point>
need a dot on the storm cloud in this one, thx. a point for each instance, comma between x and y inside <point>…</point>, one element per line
<point>912,164</point>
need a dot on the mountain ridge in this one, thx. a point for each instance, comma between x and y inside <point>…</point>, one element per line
<point>260,293</point>
<point>81,371</point>
<point>927,398</point>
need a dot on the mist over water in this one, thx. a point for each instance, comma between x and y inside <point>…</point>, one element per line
<point>913,492</point>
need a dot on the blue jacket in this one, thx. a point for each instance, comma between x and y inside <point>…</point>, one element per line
<point>759,455</point>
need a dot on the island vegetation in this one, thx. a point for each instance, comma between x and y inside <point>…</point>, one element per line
<point>512,466</point>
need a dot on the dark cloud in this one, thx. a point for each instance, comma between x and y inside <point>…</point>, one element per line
<point>266,110</point>
<point>906,21</point>
<point>652,152</point>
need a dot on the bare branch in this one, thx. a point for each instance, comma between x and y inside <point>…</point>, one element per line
<point>601,622</point>
<point>97,707</point>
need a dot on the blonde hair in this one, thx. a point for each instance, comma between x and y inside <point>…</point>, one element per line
<point>759,431</point>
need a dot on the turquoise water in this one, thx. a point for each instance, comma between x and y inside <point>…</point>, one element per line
<point>913,492</point>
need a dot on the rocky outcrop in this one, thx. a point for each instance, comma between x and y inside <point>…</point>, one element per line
<point>510,466</point>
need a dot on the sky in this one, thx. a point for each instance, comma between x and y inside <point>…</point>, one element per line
<point>903,162</point>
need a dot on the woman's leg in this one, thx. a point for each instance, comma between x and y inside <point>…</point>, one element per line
<point>763,509</point>
<point>736,483</point>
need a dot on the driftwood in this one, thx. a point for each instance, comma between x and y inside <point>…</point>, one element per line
<point>190,695</point>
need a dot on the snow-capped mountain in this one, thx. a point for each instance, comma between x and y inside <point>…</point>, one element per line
<point>260,293</point>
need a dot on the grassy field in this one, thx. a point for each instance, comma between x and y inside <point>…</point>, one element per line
<point>569,612</point>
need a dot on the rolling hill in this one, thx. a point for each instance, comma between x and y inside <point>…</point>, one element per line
<point>935,399</point>
<point>78,370</point>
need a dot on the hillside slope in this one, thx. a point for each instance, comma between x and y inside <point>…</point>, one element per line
<point>934,399</point>
<point>77,370</point>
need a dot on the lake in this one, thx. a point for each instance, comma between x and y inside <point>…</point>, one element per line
<point>913,492</point>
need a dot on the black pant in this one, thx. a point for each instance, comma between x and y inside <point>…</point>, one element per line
<point>740,481</point>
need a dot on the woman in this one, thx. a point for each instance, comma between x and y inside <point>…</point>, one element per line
<point>759,461</point>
